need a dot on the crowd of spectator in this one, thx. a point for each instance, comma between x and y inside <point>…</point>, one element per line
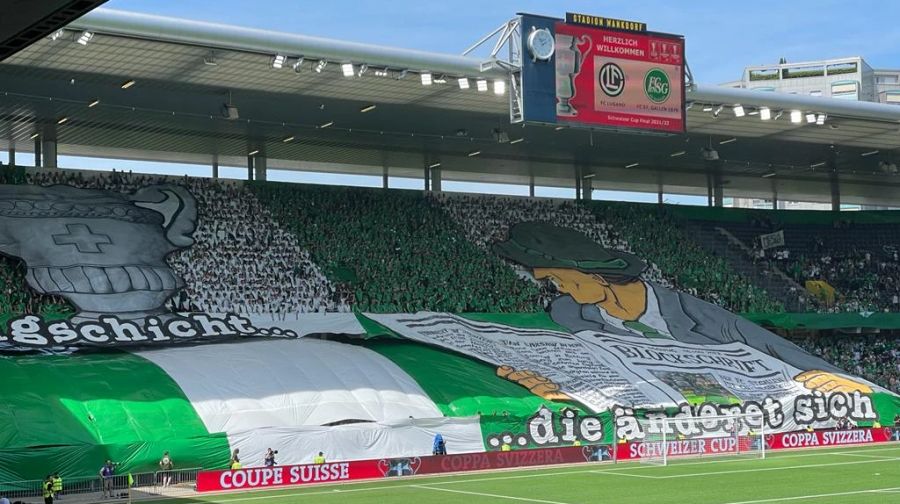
<point>654,235</point>
<point>288,249</point>
<point>15,299</point>
<point>242,261</point>
<point>398,252</point>
<point>486,220</point>
<point>863,281</point>
<point>674,259</point>
<point>875,358</point>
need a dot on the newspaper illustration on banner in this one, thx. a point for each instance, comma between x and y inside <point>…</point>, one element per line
<point>564,361</point>
<point>674,372</point>
<point>611,372</point>
<point>772,240</point>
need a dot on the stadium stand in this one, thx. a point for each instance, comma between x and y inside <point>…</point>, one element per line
<point>241,262</point>
<point>271,248</point>
<point>655,235</point>
<point>675,259</point>
<point>875,358</point>
<point>857,256</point>
<point>399,252</point>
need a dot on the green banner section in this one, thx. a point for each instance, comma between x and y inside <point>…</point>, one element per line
<point>888,408</point>
<point>823,321</point>
<point>70,413</point>
<point>459,385</point>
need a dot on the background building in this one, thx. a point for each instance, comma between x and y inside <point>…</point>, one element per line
<point>841,78</point>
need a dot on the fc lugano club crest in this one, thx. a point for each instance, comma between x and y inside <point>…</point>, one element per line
<point>612,79</point>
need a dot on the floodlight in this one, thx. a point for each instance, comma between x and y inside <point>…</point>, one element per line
<point>85,37</point>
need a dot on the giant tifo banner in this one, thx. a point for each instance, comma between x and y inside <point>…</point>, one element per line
<point>607,73</point>
<point>604,371</point>
<point>89,334</point>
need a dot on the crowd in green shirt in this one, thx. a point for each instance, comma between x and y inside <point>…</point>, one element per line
<point>654,235</point>
<point>875,358</point>
<point>396,252</point>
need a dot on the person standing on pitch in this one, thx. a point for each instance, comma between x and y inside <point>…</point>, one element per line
<point>165,468</point>
<point>269,460</point>
<point>107,472</point>
<point>47,489</point>
<point>57,486</point>
<point>439,447</point>
<point>319,459</point>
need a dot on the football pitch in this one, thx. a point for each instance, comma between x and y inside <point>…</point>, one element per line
<point>839,475</point>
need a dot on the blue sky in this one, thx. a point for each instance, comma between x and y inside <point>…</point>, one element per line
<point>722,36</point>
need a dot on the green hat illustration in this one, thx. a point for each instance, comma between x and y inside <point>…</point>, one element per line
<point>543,245</point>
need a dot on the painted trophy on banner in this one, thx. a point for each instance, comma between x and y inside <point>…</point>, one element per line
<point>570,54</point>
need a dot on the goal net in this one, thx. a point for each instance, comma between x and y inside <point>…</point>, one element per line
<point>733,436</point>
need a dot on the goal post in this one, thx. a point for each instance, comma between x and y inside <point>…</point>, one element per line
<point>666,439</point>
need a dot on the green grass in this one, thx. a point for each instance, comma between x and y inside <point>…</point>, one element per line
<point>841,475</point>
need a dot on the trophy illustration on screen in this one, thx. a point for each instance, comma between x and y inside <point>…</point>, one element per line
<point>570,54</point>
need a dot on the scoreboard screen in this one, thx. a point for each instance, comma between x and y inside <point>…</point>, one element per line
<point>602,72</point>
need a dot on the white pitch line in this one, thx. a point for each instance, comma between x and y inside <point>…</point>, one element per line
<point>480,494</point>
<point>881,457</point>
<point>817,496</point>
<point>765,469</point>
<point>630,475</point>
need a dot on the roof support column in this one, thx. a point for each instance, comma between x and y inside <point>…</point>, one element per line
<point>249,167</point>
<point>48,147</point>
<point>709,190</point>
<point>436,179</point>
<point>384,177</point>
<point>531,185</point>
<point>12,153</point>
<point>774,196</point>
<point>215,166</point>
<point>714,169</point>
<point>577,182</point>
<point>48,150</point>
<point>834,180</point>
<point>719,191</point>
<point>259,168</point>
<point>835,191</point>
<point>587,188</point>
<point>659,194</point>
<point>37,152</point>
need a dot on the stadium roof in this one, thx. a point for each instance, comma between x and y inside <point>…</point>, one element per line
<point>184,71</point>
<point>25,21</point>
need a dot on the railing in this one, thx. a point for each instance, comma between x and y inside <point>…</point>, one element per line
<point>135,486</point>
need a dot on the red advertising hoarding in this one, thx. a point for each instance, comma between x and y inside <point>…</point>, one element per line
<point>619,79</point>
<point>684,448</point>
<point>804,439</point>
<point>743,444</point>
<point>295,475</point>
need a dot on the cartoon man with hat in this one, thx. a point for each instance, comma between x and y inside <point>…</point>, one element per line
<point>602,290</point>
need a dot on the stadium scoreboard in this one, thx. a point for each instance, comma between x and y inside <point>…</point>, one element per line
<point>600,72</point>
